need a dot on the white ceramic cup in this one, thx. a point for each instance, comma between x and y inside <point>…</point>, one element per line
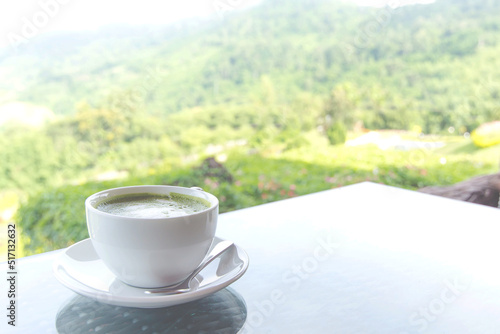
<point>151,252</point>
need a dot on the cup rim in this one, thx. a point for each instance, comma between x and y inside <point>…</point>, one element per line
<point>214,201</point>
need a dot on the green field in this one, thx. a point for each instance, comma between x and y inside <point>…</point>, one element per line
<point>55,217</point>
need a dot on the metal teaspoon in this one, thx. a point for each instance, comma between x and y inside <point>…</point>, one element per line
<point>185,285</point>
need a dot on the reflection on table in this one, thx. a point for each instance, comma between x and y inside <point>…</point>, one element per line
<point>222,312</point>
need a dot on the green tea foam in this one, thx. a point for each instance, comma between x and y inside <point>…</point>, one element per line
<point>148,205</point>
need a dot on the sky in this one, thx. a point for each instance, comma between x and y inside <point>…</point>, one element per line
<point>28,18</point>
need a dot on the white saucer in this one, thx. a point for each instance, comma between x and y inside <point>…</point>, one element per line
<point>80,269</point>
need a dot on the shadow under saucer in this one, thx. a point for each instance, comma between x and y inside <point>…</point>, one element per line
<point>222,312</point>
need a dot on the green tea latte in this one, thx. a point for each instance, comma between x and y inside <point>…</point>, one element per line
<point>148,205</point>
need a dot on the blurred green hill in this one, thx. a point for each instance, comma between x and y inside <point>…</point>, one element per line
<point>431,65</point>
<point>272,92</point>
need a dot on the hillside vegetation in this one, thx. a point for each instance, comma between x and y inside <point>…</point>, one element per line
<point>272,92</point>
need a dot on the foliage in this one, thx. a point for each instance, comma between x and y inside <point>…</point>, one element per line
<point>268,90</point>
<point>55,218</point>
<point>429,65</point>
<point>336,133</point>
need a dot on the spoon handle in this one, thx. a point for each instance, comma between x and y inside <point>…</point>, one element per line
<point>183,286</point>
<point>214,253</point>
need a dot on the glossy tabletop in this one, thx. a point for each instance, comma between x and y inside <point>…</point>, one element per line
<point>365,258</point>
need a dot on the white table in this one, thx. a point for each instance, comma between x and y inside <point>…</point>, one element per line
<point>399,262</point>
<point>365,258</point>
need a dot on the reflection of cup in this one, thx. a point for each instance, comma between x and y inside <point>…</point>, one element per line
<point>152,252</point>
<point>221,312</point>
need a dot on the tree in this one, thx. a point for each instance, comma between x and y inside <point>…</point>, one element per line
<point>339,112</point>
<point>336,133</point>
